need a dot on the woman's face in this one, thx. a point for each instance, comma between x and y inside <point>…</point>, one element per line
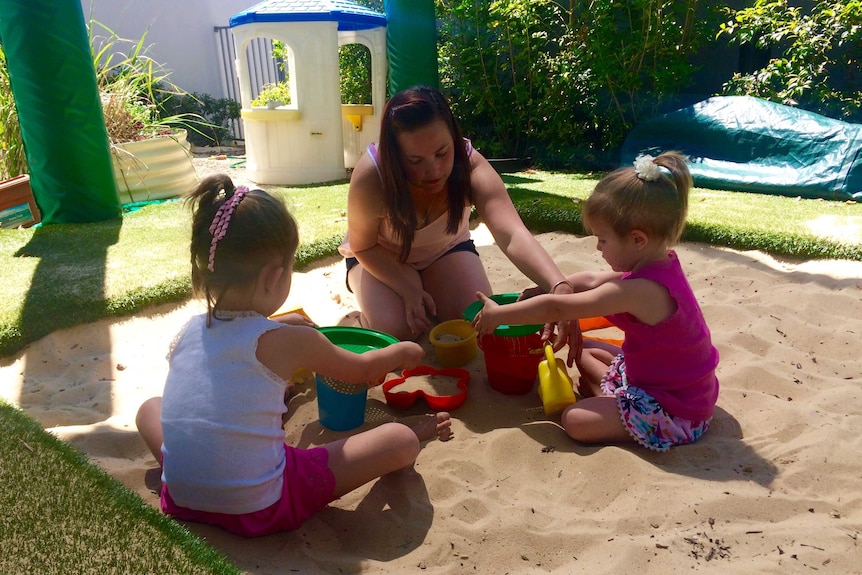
<point>427,154</point>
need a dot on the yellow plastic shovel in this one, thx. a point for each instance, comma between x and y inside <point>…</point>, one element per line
<point>556,389</point>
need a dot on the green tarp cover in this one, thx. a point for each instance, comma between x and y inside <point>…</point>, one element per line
<point>746,144</point>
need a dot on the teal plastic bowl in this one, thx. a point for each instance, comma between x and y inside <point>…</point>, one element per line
<point>357,339</point>
<point>341,406</point>
<point>503,330</point>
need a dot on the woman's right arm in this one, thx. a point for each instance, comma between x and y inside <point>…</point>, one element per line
<point>365,209</point>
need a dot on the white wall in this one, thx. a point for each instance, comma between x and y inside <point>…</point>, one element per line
<point>179,34</point>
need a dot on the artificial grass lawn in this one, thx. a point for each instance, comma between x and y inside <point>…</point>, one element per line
<point>62,275</point>
<point>62,514</point>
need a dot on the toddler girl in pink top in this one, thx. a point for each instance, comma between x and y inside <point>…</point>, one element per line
<point>660,388</point>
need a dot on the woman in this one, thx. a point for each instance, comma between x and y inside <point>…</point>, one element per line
<point>410,259</point>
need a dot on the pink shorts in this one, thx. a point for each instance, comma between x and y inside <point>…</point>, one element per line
<point>308,487</point>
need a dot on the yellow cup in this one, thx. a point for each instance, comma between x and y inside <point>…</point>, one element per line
<point>454,342</point>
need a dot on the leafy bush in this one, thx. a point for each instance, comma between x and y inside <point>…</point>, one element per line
<point>563,82</point>
<point>818,62</point>
<point>512,72</point>
<point>217,112</point>
<point>354,65</point>
<point>13,161</point>
<point>278,92</point>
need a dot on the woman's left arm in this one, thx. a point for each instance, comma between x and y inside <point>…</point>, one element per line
<point>511,235</point>
<point>497,211</point>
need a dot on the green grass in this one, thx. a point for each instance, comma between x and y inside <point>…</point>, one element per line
<point>63,514</point>
<point>64,275</point>
<point>781,226</point>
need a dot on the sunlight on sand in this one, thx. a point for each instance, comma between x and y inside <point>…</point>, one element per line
<point>841,228</point>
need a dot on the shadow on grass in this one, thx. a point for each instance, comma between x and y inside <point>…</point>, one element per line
<point>70,276</point>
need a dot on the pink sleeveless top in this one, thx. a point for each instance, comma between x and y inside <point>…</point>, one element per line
<point>674,361</point>
<point>429,243</point>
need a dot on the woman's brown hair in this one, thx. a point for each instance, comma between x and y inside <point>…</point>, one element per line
<point>406,111</point>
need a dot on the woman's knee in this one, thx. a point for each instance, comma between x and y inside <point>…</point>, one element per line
<point>395,326</point>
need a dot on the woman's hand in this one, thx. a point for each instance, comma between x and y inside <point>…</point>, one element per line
<point>419,308</point>
<point>294,319</point>
<point>566,332</point>
<point>576,344</point>
<point>484,322</point>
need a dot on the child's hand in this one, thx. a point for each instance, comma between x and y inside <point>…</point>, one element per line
<point>484,322</point>
<point>412,354</point>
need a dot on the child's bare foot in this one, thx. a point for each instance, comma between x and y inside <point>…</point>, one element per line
<point>430,425</point>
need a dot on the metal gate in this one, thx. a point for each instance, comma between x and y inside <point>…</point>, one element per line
<point>263,69</point>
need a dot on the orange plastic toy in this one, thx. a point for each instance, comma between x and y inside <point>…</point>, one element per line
<point>592,323</point>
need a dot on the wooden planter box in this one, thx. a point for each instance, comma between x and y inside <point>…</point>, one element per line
<point>17,204</point>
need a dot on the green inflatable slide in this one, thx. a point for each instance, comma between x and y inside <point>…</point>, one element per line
<point>411,44</point>
<point>54,85</point>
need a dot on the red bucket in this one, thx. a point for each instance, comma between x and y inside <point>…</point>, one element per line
<point>512,362</point>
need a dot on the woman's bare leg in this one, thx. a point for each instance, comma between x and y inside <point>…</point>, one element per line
<point>453,281</point>
<point>149,422</point>
<point>381,308</point>
<point>360,458</point>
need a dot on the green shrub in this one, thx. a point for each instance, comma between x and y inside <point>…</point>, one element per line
<point>13,161</point>
<point>817,66</point>
<point>217,112</point>
<point>564,82</point>
<point>278,92</point>
<point>354,65</point>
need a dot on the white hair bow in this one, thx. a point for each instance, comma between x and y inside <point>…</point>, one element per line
<point>646,168</point>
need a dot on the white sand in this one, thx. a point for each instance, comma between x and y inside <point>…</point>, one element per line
<point>773,487</point>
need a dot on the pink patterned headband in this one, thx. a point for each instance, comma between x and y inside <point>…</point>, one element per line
<point>221,220</point>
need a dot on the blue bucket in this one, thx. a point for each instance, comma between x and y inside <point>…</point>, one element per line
<point>340,406</point>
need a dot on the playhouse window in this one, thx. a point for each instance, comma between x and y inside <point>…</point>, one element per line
<point>270,63</point>
<point>354,67</point>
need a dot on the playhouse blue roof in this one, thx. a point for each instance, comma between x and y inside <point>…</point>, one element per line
<point>350,16</point>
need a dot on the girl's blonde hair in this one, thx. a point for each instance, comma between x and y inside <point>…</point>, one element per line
<point>652,198</point>
<point>258,231</point>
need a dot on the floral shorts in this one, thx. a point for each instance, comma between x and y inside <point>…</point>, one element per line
<point>647,421</point>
